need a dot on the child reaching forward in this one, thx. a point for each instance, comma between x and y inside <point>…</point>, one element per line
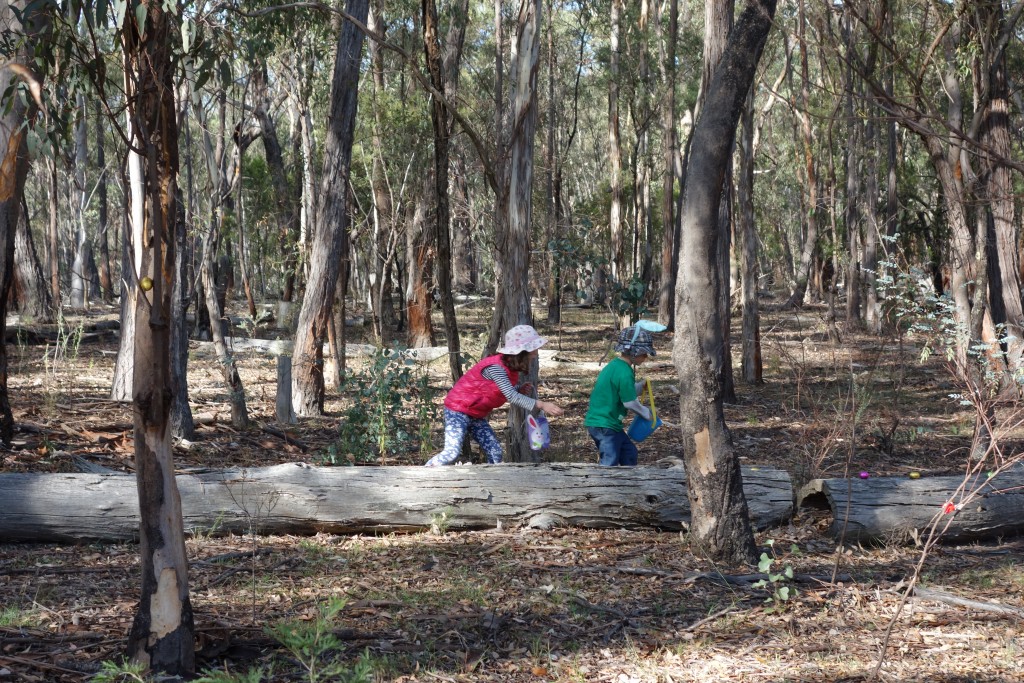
<point>487,386</point>
<point>614,392</point>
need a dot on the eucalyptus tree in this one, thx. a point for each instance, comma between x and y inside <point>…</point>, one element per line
<point>444,76</point>
<point>670,150</point>
<point>24,24</point>
<point>332,218</point>
<point>163,632</point>
<point>720,519</point>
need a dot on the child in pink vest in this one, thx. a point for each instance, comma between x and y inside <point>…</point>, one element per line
<point>488,385</point>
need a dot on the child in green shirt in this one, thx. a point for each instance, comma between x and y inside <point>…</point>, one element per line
<point>614,392</point>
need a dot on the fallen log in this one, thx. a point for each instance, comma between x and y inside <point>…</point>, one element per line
<point>898,510</point>
<point>296,498</point>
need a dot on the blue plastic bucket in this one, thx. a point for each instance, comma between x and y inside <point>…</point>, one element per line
<point>641,428</point>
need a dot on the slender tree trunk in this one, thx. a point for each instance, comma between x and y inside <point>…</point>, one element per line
<point>667,47</point>
<point>810,243</point>
<point>853,216</point>
<point>102,239</point>
<point>420,257</point>
<point>444,77</point>
<point>383,211</point>
<point>332,220</point>
<point>287,225</point>
<point>79,294</point>
<point>53,237</point>
<point>750,365</point>
<point>182,425</point>
<point>618,261</point>
<point>162,637</point>
<point>720,517</point>
<point>28,288</point>
<point>551,227</point>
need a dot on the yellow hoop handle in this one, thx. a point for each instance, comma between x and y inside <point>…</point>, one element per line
<point>650,398</point>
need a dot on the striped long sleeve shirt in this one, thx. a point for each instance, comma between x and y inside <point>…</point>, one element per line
<point>497,374</point>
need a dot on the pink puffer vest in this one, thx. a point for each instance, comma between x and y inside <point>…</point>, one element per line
<point>474,394</point>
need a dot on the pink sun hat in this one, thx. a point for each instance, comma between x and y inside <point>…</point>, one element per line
<point>521,338</point>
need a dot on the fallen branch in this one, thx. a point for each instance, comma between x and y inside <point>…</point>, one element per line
<point>950,599</point>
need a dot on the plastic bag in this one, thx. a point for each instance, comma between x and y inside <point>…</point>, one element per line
<point>537,431</point>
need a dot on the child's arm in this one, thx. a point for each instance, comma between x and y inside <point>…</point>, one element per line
<point>639,408</point>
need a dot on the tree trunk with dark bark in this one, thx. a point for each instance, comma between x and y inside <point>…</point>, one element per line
<point>720,513</point>
<point>29,291</point>
<point>27,20</point>
<point>332,220</point>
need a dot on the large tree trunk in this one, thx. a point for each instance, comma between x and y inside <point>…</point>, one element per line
<point>1004,259</point>
<point>515,208</point>
<point>720,520</point>
<point>332,220</point>
<point>16,19</point>
<point>299,499</point>
<point>162,637</point>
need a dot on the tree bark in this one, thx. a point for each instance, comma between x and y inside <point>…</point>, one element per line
<point>444,76</point>
<point>515,207</point>
<point>78,293</point>
<point>27,20</point>
<point>810,243</point>
<point>720,521</point>
<point>891,509</point>
<point>102,239</point>
<point>287,224</point>
<point>750,363</point>
<point>670,143</point>
<point>29,291</point>
<point>618,260</point>
<point>332,220</point>
<point>162,637</point>
<point>420,258</point>
<point>296,498</point>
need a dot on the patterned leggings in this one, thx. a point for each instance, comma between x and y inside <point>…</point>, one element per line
<point>455,427</point>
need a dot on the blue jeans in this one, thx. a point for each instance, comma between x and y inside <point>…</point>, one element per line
<point>614,447</point>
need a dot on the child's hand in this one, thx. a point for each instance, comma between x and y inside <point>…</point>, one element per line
<point>549,408</point>
<point>644,412</point>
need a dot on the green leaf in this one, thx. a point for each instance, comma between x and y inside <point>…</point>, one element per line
<point>784,593</point>
<point>140,15</point>
<point>765,563</point>
<point>788,572</point>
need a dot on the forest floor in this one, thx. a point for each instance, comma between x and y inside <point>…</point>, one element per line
<point>524,605</point>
